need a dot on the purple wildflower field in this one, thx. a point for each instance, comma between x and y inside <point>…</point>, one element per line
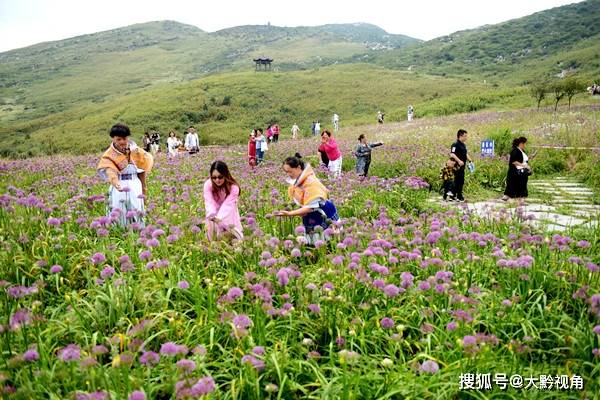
<point>408,299</point>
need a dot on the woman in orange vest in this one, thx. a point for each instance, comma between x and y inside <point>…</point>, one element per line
<point>124,165</point>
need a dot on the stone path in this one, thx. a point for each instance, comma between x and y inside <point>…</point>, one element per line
<point>555,204</point>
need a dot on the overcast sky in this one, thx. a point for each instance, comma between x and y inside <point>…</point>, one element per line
<point>26,22</point>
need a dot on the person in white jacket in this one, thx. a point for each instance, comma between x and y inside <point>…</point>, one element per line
<point>192,142</point>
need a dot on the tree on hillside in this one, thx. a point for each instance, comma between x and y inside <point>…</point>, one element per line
<point>538,90</point>
<point>558,88</point>
<point>572,86</point>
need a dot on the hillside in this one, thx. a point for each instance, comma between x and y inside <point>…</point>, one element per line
<point>226,106</point>
<point>50,77</point>
<point>166,75</point>
<point>500,50</point>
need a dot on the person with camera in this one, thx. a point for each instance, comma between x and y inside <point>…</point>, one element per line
<point>518,171</point>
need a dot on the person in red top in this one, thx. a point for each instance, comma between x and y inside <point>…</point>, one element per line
<point>269,133</point>
<point>275,129</point>
<point>252,149</point>
<point>331,148</point>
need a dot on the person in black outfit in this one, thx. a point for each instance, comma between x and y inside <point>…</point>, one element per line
<point>458,152</point>
<point>518,171</point>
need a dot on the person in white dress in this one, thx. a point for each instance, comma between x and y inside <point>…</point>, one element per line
<point>124,165</point>
<point>173,144</point>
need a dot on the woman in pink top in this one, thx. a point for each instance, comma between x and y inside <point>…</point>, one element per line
<point>331,148</point>
<point>221,194</point>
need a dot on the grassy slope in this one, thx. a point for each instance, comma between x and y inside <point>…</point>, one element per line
<point>504,49</point>
<point>355,92</point>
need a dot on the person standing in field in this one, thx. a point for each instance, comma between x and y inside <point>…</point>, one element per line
<point>124,166</point>
<point>312,128</point>
<point>261,146</point>
<point>221,193</point>
<point>275,129</point>
<point>331,148</point>
<point>252,149</point>
<point>146,141</point>
<point>173,144</point>
<point>295,131</point>
<point>317,128</point>
<point>336,122</point>
<point>363,155</point>
<point>409,113</point>
<point>458,152</point>
<point>518,171</point>
<point>155,142</point>
<point>307,191</point>
<point>380,117</point>
<point>192,141</point>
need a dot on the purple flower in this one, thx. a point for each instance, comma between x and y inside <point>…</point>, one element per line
<point>315,308</point>
<point>53,221</point>
<point>31,355</point>
<point>171,349</point>
<point>596,330</point>
<point>56,269</point>
<point>149,358</point>
<point>204,386</point>
<point>430,366</point>
<point>183,285</point>
<point>452,325</point>
<point>258,350</point>
<point>20,318</point>
<point>145,255</point>
<point>258,364</point>
<point>98,258</point>
<point>107,272</point>
<point>235,293</point>
<point>71,352</point>
<point>186,365</point>
<point>469,341</point>
<point>386,323</point>
<point>391,290</point>
<point>241,321</point>
<point>296,253</point>
<point>137,395</point>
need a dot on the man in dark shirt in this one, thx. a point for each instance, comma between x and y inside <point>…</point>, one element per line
<point>458,152</point>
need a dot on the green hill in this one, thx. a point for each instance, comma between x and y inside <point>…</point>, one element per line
<point>62,96</point>
<point>502,50</point>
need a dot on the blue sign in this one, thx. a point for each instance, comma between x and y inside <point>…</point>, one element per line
<point>487,148</point>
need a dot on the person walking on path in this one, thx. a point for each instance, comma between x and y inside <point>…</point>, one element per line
<point>518,171</point>
<point>307,191</point>
<point>458,152</point>
<point>363,155</point>
<point>124,165</point>
<point>331,148</point>
<point>221,193</point>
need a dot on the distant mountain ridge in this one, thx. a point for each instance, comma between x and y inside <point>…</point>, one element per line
<point>87,82</point>
<point>496,48</point>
